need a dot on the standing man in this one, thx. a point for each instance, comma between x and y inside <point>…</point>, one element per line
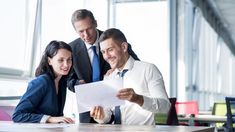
<point>143,84</point>
<point>88,63</point>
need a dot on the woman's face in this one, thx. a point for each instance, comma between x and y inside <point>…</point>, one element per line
<point>61,62</point>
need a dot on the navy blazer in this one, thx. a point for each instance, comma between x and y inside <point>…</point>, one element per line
<point>82,69</point>
<point>41,99</point>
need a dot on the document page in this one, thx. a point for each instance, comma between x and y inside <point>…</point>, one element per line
<point>101,93</point>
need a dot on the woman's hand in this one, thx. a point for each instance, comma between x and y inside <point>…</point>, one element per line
<point>60,119</point>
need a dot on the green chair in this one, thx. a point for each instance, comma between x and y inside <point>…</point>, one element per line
<point>160,118</point>
<point>219,108</point>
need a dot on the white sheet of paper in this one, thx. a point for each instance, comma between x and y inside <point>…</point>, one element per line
<point>101,93</point>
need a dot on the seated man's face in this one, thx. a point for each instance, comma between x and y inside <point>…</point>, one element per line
<point>113,53</point>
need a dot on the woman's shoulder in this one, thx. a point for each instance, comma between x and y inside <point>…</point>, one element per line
<point>41,83</point>
<point>42,79</point>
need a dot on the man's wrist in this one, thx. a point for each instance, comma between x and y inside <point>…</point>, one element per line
<point>138,99</point>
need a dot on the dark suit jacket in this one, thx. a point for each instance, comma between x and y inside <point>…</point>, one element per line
<point>82,69</point>
<point>41,99</point>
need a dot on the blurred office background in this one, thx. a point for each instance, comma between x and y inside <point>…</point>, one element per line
<point>188,40</point>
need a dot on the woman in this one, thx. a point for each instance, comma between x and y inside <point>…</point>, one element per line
<point>45,97</point>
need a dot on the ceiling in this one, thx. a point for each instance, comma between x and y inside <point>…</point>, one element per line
<point>221,16</point>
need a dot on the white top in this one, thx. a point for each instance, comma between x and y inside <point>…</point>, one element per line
<point>146,80</point>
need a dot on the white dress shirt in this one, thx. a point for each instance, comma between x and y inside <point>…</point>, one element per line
<point>146,80</point>
<point>90,50</point>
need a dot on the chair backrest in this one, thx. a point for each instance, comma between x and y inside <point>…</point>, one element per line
<point>7,111</point>
<point>186,108</point>
<point>230,103</point>
<point>7,106</point>
<point>4,116</point>
<point>170,118</point>
<point>219,108</point>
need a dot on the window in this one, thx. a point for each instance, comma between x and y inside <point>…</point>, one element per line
<point>146,29</point>
<point>16,27</point>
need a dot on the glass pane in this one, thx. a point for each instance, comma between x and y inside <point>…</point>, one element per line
<point>146,29</point>
<point>12,13</point>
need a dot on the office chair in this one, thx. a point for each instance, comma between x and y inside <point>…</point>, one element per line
<point>220,109</point>
<point>230,104</point>
<point>188,108</point>
<point>170,118</point>
<point>4,116</point>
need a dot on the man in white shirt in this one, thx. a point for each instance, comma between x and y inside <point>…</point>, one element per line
<point>143,84</point>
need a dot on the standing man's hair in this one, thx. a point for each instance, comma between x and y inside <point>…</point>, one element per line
<point>82,14</point>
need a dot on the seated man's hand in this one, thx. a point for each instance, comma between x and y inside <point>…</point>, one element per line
<point>130,95</point>
<point>97,112</point>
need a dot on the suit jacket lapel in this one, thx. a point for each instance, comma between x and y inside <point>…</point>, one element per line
<point>84,62</point>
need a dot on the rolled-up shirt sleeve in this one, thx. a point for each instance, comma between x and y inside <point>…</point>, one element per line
<point>156,105</point>
<point>157,101</point>
<point>44,118</point>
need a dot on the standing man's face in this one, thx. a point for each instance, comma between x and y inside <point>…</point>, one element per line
<point>86,30</point>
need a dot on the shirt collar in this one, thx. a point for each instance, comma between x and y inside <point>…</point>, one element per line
<point>129,65</point>
<point>88,46</point>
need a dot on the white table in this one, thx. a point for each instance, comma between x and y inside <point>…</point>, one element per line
<point>35,127</point>
<point>205,118</point>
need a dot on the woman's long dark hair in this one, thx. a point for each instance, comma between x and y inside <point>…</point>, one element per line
<point>50,51</point>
